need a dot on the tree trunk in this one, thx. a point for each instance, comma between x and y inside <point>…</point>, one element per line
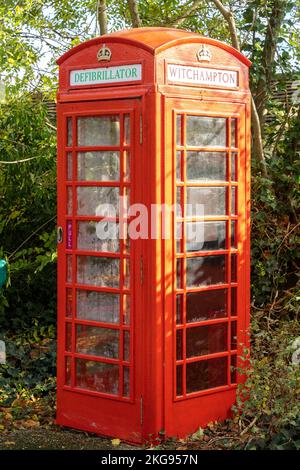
<point>134,13</point>
<point>102,17</point>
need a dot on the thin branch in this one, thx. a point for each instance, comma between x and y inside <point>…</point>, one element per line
<point>189,10</point>
<point>134,13</point>
<point>227,14</point>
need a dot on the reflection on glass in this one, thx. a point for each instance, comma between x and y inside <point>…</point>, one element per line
<point>98,166</point>
<point>179,234</point>
<point>68,371</point>
<point>205,271</point>
<point>178,345</point>
<point>179,210</point>
<point>208,201</point>
<point>206,166</point>
<point>203,131</point>
<point>69,166</point>
<point>98,271</point>
<point>126,381</point>
<point>68,337</point>
<point>98,130</point>
<point>178,130</point>
<point>127,273</point>
<point>126,310</point>
<point>98,306</point>
<point>126,346</point>
<point>97,376</point>
<point>206,374</point>
<point>201,306</point>
<point>97,341</point>
<point>98,236</point>
<point>179,380</point>
<point>202,236</point>
<point>202,340</point>
<point>69,132</point>
<point>99,201</point>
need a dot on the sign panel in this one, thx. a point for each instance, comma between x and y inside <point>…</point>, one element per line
<point>202,76</point>
<point>103,75</point>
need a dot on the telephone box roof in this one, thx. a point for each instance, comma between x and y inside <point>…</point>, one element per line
<point>154,40</point>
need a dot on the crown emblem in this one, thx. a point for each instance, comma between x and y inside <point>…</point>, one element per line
<point>204,54</point>
<point>104,53</point>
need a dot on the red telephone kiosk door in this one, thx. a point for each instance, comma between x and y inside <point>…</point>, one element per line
<point>98,366</point>
<point>207,300</point>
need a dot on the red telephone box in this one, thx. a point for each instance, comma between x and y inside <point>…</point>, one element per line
<point>150,328</point>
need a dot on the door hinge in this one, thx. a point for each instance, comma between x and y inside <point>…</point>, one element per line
<point>141,129</point>
<point>142,269</point>
<point>141,409</point>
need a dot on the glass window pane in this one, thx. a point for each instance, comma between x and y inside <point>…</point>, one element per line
<point>127,273</point>
<point>98,201</point>
<point>179,309</point>
<point>126,346</point>
<point>178,166</point>
<point>233,132</point>
<point>233,167</point>
<point>69,268</point>
<point>233,201</point>
<point>98,166</point>
<point>205,236</point>
<point>98,130</point>
<point>98,236</point>
<point>233,234</point>
<point>233,335</point>
<point>98,271</point>
<point>206,166</point>
<point>179,380</point>
<point>127,165</point>
<point>97,376</point>
<point>206,374</point>
<point>179,274</point>
<point>68,371</point>
<point>179,234</point>
<point>69,303</point>
<point>233,301</point>
<point>69,166</point>
<point>205,271</point>
<point>69,200</point>
<point>179,210</point>
<point>203,340</point>
<point>201,306</point>
<point>203,131</point>
<point>233,369</point>
<point>69,132</point>
<point>179,344</point>
<point>97,341</point>
<point>68,336</point>
<point>126,381</point>
<point>178,130</point>
<point>126,129</point>
<point>126,309</point>
<point>98,306</point>
<point>233,268</point>
<point>206,201</point>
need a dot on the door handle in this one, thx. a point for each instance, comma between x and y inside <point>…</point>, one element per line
<point>59,235</point>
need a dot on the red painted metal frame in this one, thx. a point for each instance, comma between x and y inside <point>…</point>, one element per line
<point>154,405</point>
